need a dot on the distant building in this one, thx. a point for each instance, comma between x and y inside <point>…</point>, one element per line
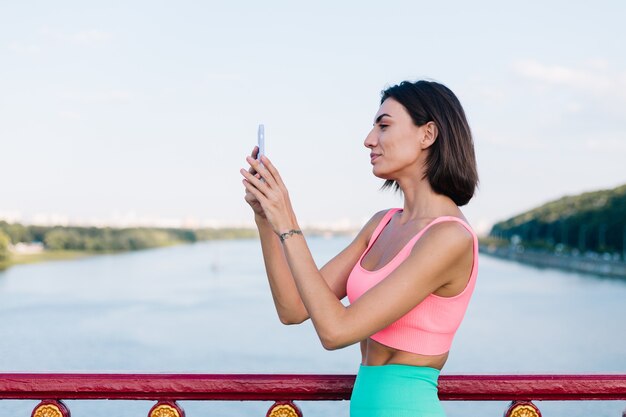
<point>27,248</point>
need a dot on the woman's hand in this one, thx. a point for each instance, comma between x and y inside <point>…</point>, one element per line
<point>267,195</point>
<point>250,198</point>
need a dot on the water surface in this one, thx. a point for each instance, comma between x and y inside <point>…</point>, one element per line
<point>207,308</point>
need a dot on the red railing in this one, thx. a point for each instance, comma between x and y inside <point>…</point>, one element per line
<point>166,389</point>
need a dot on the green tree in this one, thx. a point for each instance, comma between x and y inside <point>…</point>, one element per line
<point>4,247</point>
<point>589,221</point>
<point>63,239</point>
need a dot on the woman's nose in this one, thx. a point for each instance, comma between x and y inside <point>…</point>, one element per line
<point>370,139</point>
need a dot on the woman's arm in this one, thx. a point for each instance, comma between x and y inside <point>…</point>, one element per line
<point>441,255</point>
<point>286,298</point>
<point>284,292</point>
<point>335,272</point>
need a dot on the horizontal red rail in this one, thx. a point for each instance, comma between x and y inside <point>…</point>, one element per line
<point>272,387</point>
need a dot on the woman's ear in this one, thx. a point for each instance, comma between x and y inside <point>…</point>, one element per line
<point>430,134</point>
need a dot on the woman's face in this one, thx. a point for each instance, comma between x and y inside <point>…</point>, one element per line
<point>395,142</point>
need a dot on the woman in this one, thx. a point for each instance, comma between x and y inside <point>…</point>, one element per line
<point>408,274</point>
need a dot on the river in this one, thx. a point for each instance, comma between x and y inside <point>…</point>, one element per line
<point>207,308</point>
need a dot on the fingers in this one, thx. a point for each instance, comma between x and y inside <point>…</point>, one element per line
<point>250,198</point>
<point>255,152</point>
<point>263,178</point>
<point>256,181</point>
<point>254,191</point>
<point>262,170</point>
<point>272,170</point>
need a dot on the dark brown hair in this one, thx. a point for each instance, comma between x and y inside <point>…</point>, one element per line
<point>451,163</point>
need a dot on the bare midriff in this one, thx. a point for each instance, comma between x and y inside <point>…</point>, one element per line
<point>376,354</point>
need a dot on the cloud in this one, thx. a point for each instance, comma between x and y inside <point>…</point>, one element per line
<point>509,140</point>
<point>217,76</point>
<point>595,79</point>
<point>486,92</point>
<point>115,96</point>
<point>598,64</point>
<point>69,115</point>
<point>24,49</point>
<point>492,95</point>
<point>108,96</point>
<point>89,37</point>
<point>574,107</point>
<point>49,40</point>
<point>592,88</point>
<point>606,144</point>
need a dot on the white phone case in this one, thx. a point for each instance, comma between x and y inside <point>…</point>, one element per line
<point>261,141</point>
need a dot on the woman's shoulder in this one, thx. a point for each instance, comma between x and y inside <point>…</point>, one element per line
<point>368,229</point>
<point>378,217</point>
<point>450,232</point>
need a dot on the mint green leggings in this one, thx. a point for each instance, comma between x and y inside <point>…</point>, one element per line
<point>396,391</point>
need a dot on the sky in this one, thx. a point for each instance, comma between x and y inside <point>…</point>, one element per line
<point>130,111</point>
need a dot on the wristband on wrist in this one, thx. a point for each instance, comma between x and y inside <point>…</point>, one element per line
<point>288,234</point>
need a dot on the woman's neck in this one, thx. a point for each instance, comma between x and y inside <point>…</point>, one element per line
<point>421,201</point>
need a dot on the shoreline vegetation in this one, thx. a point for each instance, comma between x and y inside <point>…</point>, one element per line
<point>22,244</point>
<point>605,265</point>
<point>583,233</point>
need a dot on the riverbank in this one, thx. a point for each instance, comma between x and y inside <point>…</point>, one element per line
<point>47,255</point>
<point>587,264</point>
<point>50,243</point>
<point>43,256</point>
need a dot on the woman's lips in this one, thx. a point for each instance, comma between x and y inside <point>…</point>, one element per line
<point>373,157</point>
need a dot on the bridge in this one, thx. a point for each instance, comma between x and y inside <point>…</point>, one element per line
<point>283,390</point>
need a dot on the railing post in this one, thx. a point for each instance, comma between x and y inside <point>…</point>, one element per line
<point>522,409</point>
<point>284,409</point>
<point>166,409</point>
<point>51,408</point>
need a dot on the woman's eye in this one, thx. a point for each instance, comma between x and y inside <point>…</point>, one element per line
<point>382,126</point>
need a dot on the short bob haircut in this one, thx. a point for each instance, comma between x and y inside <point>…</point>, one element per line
<point>450,163</point>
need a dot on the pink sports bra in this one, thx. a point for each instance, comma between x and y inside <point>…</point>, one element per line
<point>428,329</point>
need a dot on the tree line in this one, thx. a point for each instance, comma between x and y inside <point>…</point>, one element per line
<point>594,221</point>
<point>4,247</point>
<point>95,239</point>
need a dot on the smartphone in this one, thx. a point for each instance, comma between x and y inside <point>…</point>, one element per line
<point>261,141</point>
